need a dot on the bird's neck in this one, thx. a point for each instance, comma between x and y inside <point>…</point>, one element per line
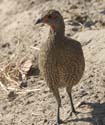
<point>57,35</point>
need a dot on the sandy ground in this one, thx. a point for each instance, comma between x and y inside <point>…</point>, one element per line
<point>85,21</point>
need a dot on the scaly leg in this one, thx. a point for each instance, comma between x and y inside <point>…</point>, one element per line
<point>71,101</point>
<point>57,96</point>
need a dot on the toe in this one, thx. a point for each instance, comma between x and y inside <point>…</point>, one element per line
<point>74,112</point>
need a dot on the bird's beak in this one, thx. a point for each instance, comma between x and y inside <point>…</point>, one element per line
<point>40,20</point>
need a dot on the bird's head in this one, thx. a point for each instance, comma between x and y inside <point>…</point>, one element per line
<point>52,18</point>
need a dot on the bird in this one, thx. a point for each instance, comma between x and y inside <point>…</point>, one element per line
<point>61,59</point>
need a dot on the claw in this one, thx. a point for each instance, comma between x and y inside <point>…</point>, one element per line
<point>74,112</point>
<point>71,114</point>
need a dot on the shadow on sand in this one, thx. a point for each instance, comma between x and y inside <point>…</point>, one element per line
<point>97,115</point>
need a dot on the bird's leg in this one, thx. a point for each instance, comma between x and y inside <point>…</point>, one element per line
<point>71,101</point>
<point>57,96</point>
<point>58,116</point>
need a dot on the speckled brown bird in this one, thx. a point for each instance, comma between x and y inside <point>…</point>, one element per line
<point>61,59</point>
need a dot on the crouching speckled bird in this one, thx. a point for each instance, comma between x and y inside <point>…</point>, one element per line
<point>61,59</point>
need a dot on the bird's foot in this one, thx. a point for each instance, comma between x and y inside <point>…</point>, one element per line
<point>74,112</point>
<point>71,114</point>
<point>59,122</point>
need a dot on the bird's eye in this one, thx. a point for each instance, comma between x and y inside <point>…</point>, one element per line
<point>49,16</point>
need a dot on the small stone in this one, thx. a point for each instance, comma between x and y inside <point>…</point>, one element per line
<point>12,95</point>
<point>45,120</point>
<point>5,45</point>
